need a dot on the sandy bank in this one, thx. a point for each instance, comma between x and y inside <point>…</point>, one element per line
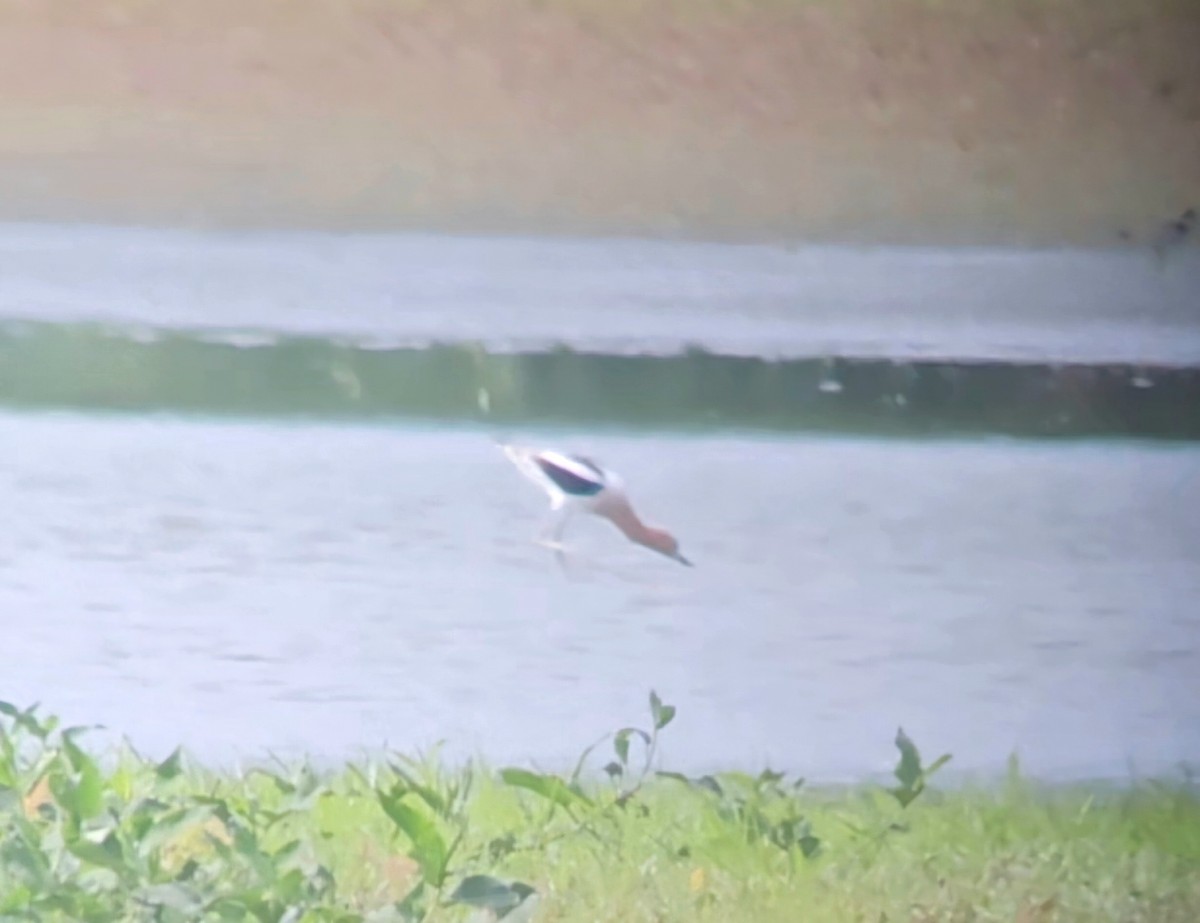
<point>873,120</point>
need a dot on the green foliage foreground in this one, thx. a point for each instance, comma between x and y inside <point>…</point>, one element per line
<point>402,839</point>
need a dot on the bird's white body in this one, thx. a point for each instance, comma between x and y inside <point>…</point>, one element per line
<point>527,461</point>
<point>575,483</point>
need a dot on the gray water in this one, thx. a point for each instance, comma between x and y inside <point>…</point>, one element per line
<point>244,587</point>
<point>614,296</point>
<point>255,585</point>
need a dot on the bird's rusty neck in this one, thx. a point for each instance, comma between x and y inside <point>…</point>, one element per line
<point>625,519</point>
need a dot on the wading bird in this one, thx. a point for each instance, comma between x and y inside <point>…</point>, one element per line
<point>576,483</point>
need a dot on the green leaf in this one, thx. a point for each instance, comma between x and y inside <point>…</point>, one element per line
<point>172,895</point>
<point>937,764</point>
<point>429,847</point>
<point>121,782</point>
<point>661,714</point>
<point>10,799</point>
<point>25,851</point>
<point>285,856</point>
<point>17,898</point>
<point>291,886</point>
<point>501,846</point>
<point>63,790</point>
<point>89,794</point>
<point>76,756</point>
<point>524,911</point>
<point>144,814</point>
<point>361,777</point>
<point>166,827</point>
<point>414,904</point>
<point>307,781</point>
<point>583,759</point>
<point>910,773</point>
<point>735,779</point>
<point>219,846</point>
<point>810,845</point>
<point>675,776</point>
<point>85,796</point>
<point>621,746</point>
<point>707,783</point>
<point>106,854</point>
<point>243,906</point>
<point>284,786</point>
<point>26,719</point>
<point>248,848</point>
<point>711,784</point>
<point>427,794</point>
<point>486,892</point>
<point>171,767</point>
<point>621,742</point>
<point>9,772</point>
<point>908,770</point>
<point>552,788</point>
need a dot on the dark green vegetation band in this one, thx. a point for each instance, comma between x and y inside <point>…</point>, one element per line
<point>87,367</point>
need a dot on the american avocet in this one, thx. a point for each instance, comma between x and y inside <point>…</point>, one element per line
<point>577,483</point>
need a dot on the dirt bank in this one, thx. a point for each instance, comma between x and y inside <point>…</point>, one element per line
<point>877,120</point>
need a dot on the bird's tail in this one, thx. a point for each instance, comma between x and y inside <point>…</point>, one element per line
<point>503,441</point>
<point>521,456</point>
<point>505,444</point>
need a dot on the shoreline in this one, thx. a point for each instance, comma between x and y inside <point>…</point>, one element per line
<point>1121,245</point>
<point>142,370</point>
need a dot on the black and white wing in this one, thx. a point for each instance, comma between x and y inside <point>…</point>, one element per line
<point>574,475</point>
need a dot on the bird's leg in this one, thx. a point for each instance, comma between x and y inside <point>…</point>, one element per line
<point>552,531</point>
<point>560,524</point>
<point>561,555</point>
<point>553,526</point>
<point>548,525</point>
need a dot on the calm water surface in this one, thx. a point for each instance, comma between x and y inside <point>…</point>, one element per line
<point>613,295</point>
<point>254,585</point>
<point>248,586</point>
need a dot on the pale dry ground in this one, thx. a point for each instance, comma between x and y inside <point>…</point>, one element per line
<point>1022,121</point>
